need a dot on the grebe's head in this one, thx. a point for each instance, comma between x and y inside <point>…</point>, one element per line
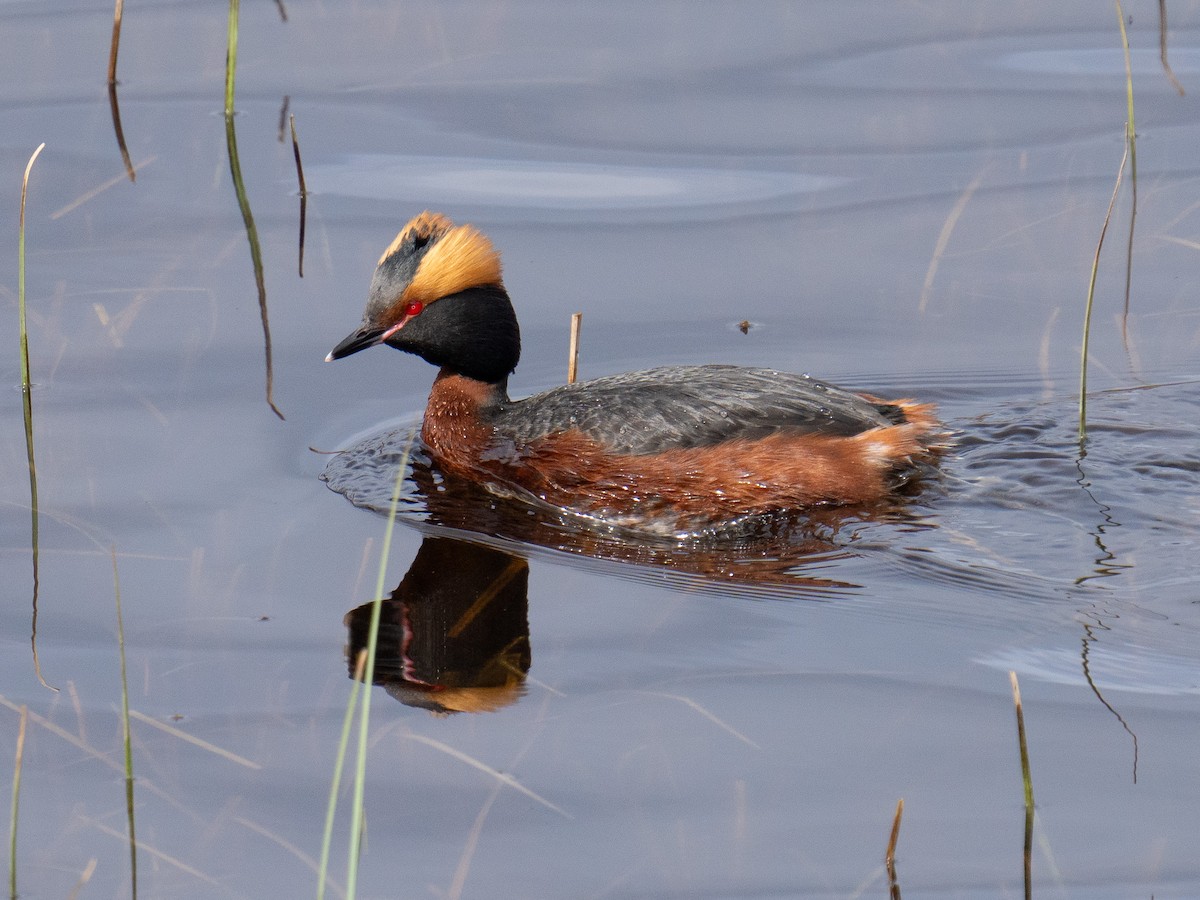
<point>437,292</point>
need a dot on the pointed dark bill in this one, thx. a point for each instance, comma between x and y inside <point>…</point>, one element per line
<point>364,337</point>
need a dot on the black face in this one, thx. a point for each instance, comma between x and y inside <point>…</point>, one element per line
<point>473,333</point>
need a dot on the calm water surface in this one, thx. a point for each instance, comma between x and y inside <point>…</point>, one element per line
<point>902,199</point>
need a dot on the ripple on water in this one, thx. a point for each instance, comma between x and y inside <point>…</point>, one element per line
<point>1036,63</point>
<point>1018,512</point>
<point>561,188</point>
<point>1026,514</point>
<point>763,554</point>
<point>1137,670</point>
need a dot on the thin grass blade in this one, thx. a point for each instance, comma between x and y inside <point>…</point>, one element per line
<point>126,735</point>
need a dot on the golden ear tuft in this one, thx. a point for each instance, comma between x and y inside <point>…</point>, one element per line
<point>462,258</point>
<point>427,225</point>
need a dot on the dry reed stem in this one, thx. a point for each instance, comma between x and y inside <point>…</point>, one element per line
<point>486,596</point>
<point>287,845</point>
<point>889,859</point>
<point>77,706</point>
<point>1044,353</point>
<point>1162,46</point>
<point>1183,242</point>
<point>18,760</point>
<point>943,240</point>
<point>114,106</point>
<point>573,350</point>
<point>501,777</point>
<point>118,13</point>
<point>153,851</point>
<point>95,192</point>
<point>890,856</point>
<point>84,877</point>
<point>459,881</point>
<point>689,702</point>
<point>195,741</point>
<point>95,753</point>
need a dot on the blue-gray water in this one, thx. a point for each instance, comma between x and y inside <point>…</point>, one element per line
<point>670,170</point>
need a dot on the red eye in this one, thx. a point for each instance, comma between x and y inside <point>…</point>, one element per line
<point>413,309</point>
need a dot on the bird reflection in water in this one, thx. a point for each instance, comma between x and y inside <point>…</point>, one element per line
<point>454,635</point>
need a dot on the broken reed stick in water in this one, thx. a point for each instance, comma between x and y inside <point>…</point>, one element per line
<point>118,13</point>
<point>889,859</point>
<point>1162,47</point>
<point>114,107</point>
<point>573,352</point>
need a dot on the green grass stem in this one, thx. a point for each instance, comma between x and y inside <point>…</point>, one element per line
<point>231,56</point>
<point>360,773</point>
<point>27,406</point>
<point>1131,141</point>
<point>364,676</point>
<point>1130,154</point>
<point>239,187</point>
<point>126,736</point>
<point>26,382</point>
<point>1091,293</point>
<point>339,766</point>
<point>16,797</point>
<point>1026,777</point>
<point>1027,782</point>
